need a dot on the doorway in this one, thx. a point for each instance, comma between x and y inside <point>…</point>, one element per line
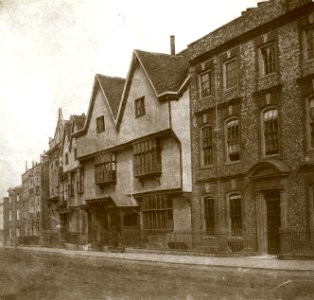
<point>273,220</point>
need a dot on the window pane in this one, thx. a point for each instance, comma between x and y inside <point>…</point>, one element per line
<point>207,153</point>
<point>205,84</point>
<point>268,59</point>
<point>209,215</point>
<point>231,74</point>
<point>147,157</point>
<point>235,214</point>
<point>157,212</point>
<point>271,132</point>
<point>310,43</point>
<point>233,140</point>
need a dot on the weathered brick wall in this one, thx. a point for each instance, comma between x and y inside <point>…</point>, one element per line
<point>247,100</point>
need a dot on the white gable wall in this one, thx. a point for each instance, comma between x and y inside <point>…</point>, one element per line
<point>156,116</point>
<point>92,141</point>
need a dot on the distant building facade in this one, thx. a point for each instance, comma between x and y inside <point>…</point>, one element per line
<point>252,135</point>
<point>34,202</point>
<point>12,216</point>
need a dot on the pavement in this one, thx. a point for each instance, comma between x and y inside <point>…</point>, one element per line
<point>266,262</point>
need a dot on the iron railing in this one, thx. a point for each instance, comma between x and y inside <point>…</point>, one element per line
<point>297,243</point>
<point>291,243</point>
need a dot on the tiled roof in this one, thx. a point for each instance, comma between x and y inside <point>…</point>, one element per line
<point>113,88</point>
<point>79,121</point>
<point>166,72</point>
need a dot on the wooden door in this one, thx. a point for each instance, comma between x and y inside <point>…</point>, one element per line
<point>273,225</point>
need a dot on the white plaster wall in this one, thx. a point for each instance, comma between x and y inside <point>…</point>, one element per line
<point>169,179</point>
<point>156,116</point>
<point>180,116</point>
<point>181,214</point>
<point>93,141</point>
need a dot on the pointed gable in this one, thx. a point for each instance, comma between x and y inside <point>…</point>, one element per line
<point>112,88</point>
<point>67,129</point>
<point>78,122</point>
<point>167,73</point>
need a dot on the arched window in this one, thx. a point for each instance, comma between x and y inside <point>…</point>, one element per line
<point>206,146</point>
<point>233,139</point>
<point>209,214</point>
<point>271,131</point>
<point>235,209</point>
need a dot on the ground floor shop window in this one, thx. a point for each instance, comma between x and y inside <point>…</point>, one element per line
<point>157,212</point>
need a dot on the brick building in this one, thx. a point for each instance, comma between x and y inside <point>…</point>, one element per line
<point>34,202</point>
<point>12,216</point>
<point>252,102</point>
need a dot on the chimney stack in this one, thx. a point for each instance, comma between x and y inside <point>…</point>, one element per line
<point>172,45</point>
<point>26,166</point>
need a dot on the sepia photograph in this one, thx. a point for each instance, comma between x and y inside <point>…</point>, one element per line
<point>155,150</point>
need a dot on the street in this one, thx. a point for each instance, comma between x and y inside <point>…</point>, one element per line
<point>27,275</point>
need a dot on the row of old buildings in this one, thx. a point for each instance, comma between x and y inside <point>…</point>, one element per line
<point>210,149</point>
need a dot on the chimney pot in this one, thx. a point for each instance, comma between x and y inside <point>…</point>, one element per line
<point>172,45</point>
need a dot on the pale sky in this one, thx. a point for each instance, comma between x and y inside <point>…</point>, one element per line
<point>50,51</point>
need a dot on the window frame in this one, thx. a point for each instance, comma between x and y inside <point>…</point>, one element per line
<point>105,168</point>
<point>309,119</point>
<point>305,43</point>
<point>207,90</point>
<point>157,212</point>
<point>225,74</point>
<point>263,128</point>
<point>80,181</point>
<point>262,69</point>
<point>147,158</point>
<point>236,219</point>
<point>100,124</point>
<point>233,139</point>
<point>209,214</point>
<point>139,107</point>
<point>204,147</point>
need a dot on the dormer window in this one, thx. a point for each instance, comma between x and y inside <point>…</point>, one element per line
<point>139,107</point>
<point>100,124</point>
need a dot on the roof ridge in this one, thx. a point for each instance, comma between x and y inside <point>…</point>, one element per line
<point>159,53</point>
<point>108,76</point>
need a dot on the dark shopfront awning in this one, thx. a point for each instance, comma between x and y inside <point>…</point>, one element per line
<point>119,200</point>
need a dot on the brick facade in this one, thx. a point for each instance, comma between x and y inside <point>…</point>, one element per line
<point>261,177</point>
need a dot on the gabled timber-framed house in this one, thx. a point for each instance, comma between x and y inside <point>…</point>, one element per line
<point>55,167</point>
<point>71,178</point>
<point>135,149</point>
<point>252,135</point>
